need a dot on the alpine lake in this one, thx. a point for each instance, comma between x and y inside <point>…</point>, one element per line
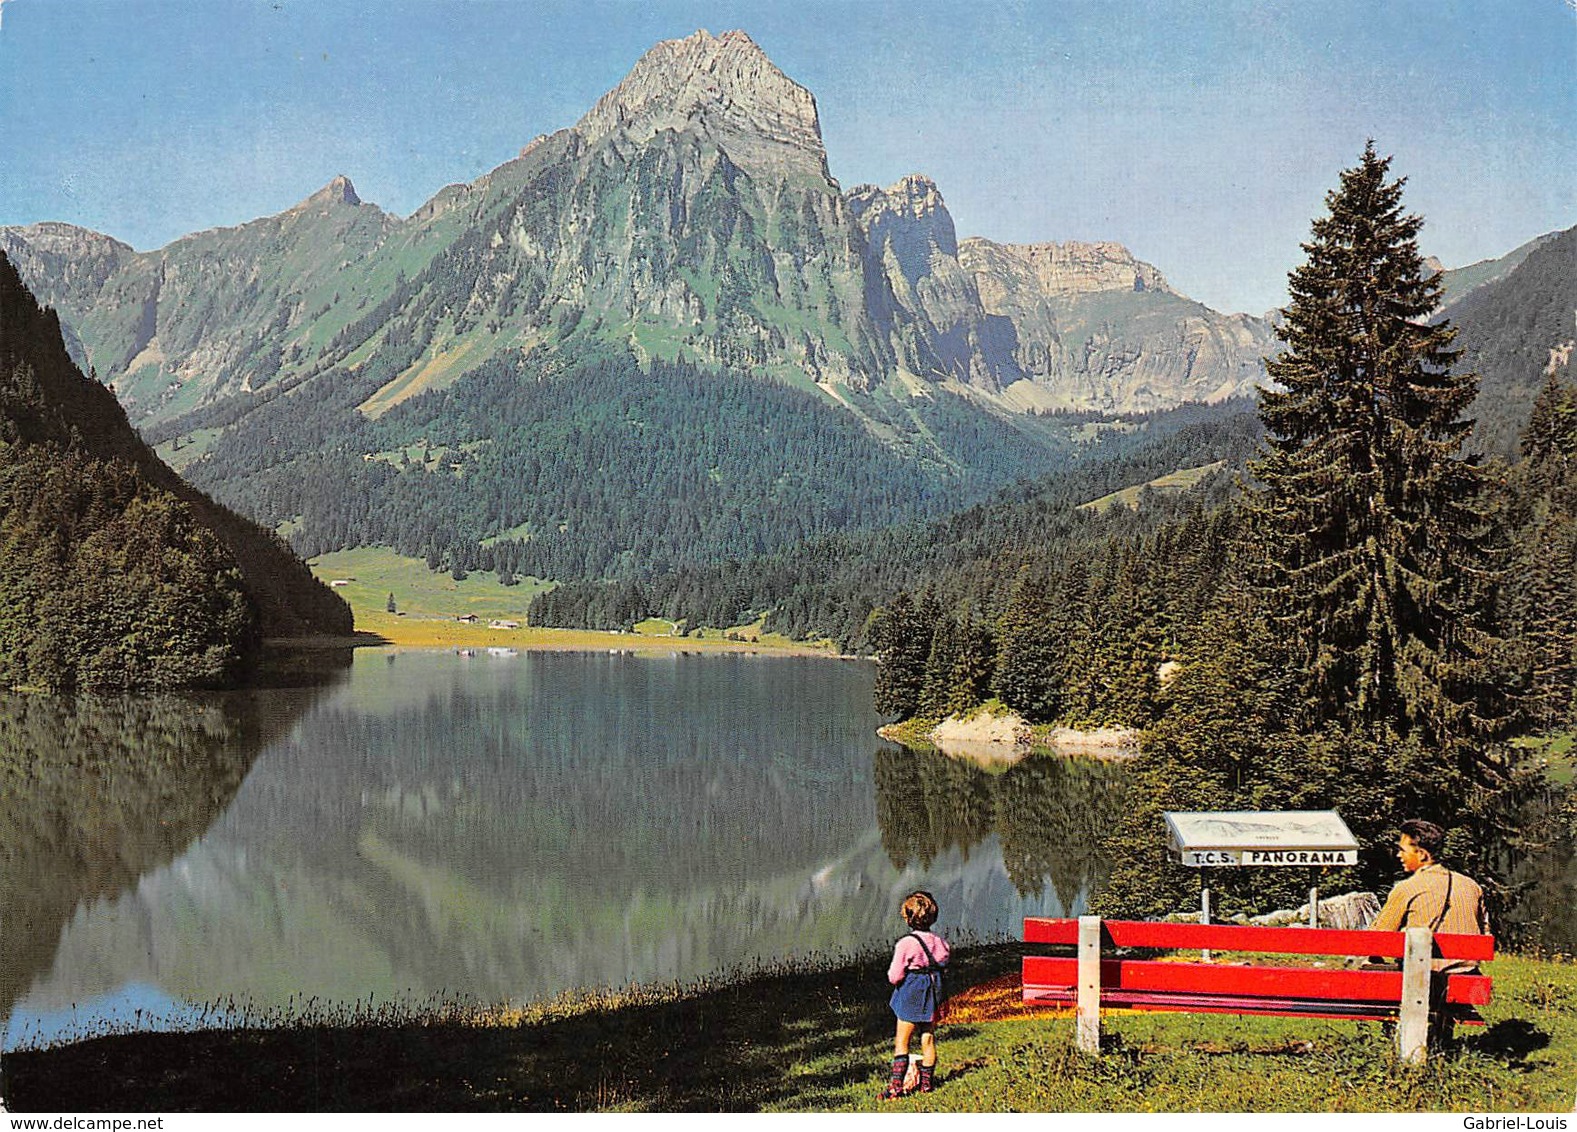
<point>496,828</point>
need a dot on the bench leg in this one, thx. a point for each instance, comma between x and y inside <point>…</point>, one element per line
<point>1412,1029</point>
<point>1087,1017</point>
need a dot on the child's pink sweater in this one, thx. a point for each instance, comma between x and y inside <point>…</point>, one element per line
<point>908,955</point>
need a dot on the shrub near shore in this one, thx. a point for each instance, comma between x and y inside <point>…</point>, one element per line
<point>816,1038</point>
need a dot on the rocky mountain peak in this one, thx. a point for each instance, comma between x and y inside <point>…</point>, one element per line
<point>722,86</point>
<point>337,191</point>
<point>915,196</point>
<point>55,238</point>
<point>913,207</point>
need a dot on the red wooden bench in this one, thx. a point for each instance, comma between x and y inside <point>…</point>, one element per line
<point>1094,977</point>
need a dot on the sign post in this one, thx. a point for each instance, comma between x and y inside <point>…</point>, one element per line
<point>1260,838</point>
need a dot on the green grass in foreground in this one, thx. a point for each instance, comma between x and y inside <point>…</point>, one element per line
<point>818,1040</point>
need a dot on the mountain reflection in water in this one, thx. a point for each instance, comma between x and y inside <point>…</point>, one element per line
<point>505,828</point>
<point>97,792</point>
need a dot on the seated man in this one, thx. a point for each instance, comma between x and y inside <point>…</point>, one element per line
<point>1432,896</point>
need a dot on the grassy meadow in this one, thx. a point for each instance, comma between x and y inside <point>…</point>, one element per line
<point>817,1037</point>
<point>1173,481</point>
<point>428,603</point>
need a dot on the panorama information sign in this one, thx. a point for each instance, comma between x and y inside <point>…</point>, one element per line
<point>1253,837</point>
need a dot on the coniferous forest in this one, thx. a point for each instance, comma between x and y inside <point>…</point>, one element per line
<point>114,573</point>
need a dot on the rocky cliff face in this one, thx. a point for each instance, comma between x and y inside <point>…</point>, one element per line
<point>703,222</point>
<point>936,326</point>
<point>1080,325</point>
<point>1063,269</point>
<point>688,215</point>
<point>1094,328</point>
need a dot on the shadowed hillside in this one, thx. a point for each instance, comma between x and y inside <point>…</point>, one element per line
<point>115,572</point>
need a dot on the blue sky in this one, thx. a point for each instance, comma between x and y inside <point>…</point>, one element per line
<point>1202,134</point>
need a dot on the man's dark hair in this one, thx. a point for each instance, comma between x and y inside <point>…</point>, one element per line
<point>1425,834</point>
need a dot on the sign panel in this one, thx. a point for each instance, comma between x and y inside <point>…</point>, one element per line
<point>1206,858</point>
<point>1307,838</point>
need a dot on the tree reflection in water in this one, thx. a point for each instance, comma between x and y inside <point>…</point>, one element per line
<point>95,792</point>
<point>1049,813</point>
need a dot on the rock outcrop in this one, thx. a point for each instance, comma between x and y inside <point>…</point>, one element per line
<point>1062,269</point>
<point>937,325</point>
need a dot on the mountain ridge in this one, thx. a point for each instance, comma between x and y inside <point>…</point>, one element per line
<point>688,223</point>
<point>689,214</point>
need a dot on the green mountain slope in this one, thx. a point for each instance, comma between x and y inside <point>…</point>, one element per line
<point>1513,332</point>
<point>1461,281</point>
<point>609,469</point>
<point>114,572</point>
<point>828,587</point>
<point>688,220</point>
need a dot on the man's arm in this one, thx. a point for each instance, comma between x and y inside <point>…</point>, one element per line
<point>1390,919</point>
<point>1394,913</point>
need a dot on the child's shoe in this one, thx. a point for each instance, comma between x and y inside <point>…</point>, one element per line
<point>927,1078</point>
<point>895,1088</point>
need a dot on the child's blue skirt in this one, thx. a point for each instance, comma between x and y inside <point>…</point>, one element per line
<point>915,999</point>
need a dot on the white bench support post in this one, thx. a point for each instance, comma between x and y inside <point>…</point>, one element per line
<point>1204,917</point>
<point>1412,1029</point>
<point>1087,1017</point>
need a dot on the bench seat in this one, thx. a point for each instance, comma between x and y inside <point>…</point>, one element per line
<point>1096,978</point>
<point>1223,988</point>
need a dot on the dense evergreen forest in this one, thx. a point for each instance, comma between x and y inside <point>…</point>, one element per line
<point>112,572</point>
<point>829,587</point>
<point>608,469</point>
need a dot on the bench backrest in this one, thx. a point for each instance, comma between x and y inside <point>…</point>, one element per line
<point>1250,937</point>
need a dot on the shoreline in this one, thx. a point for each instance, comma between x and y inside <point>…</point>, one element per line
<point>1004,739</point>
<point>435,633</point>
<point>709,1038</point>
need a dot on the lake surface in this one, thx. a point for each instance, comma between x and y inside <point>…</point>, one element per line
<point>495,828</point>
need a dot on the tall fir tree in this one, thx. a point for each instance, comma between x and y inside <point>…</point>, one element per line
<point>901,636</point>
<point>1028,675</point>
<point>1371,524</point>
<point>974,660</point>
<point>1541,597</point>
<point>946,645</point>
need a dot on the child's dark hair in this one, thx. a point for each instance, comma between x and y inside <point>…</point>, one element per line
<point>920,910</point>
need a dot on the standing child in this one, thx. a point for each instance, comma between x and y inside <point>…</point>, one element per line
<point>916,973</point>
